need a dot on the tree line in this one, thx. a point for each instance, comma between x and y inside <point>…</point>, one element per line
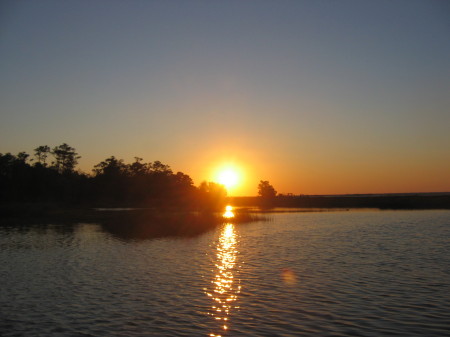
<point>50,175</point>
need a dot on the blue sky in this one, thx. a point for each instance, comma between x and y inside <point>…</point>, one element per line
<point>315,96</point>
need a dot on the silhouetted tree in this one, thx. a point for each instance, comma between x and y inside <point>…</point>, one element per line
<point>22,157</point>
<point>266,190</point>
<point>183,180</point>
<point>139,183</point>
<point>182,190</point>
<point>111,167</point>
<point>138,168</point>
<point>41,153</point>
<point>267,193</point>
<point>212,196</point>
<point>65,158</point>
<point>158,167</point>
<point>110,182</point>
<point>14,176</point>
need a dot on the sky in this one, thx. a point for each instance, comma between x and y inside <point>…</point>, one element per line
<point>317,97</point>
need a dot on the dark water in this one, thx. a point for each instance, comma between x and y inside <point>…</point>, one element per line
<point>301,274</point>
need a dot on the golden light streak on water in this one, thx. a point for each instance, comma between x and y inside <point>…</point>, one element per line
<point>225,287</point>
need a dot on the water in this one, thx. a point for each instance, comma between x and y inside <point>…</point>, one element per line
<point>300,274</point>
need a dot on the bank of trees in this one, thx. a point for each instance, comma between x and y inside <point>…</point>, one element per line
<point>50,175</point>
<point>141,183</point>
<point>26,178</point>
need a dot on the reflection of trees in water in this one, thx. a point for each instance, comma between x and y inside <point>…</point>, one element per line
<point>225,286</point>
<point>142,225</point>
<point>148,224</point>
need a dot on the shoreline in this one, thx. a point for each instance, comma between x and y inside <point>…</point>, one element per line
<point>280,204</point>
<point>382,202</point>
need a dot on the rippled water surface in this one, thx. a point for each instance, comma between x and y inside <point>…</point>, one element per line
<point>299,274</point>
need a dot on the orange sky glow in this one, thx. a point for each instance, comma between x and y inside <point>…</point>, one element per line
<point>316,98</point>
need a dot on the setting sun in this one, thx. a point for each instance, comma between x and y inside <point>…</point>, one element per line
<point>229,178</point>
<point>228,175</point>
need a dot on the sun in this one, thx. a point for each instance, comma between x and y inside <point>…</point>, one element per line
<point>228,175</point>
<point>228,178</point>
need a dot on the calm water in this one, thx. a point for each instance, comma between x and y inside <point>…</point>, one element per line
<point>300,274</point>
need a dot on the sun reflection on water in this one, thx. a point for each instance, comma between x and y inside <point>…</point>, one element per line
<point>228,212</point>
<point>225,288</point>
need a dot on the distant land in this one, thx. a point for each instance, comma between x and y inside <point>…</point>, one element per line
<point>431,200</point>
<point>380,194</point>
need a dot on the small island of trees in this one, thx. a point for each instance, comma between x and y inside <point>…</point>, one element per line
<point>156,201</point>
<point>50,176</point>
